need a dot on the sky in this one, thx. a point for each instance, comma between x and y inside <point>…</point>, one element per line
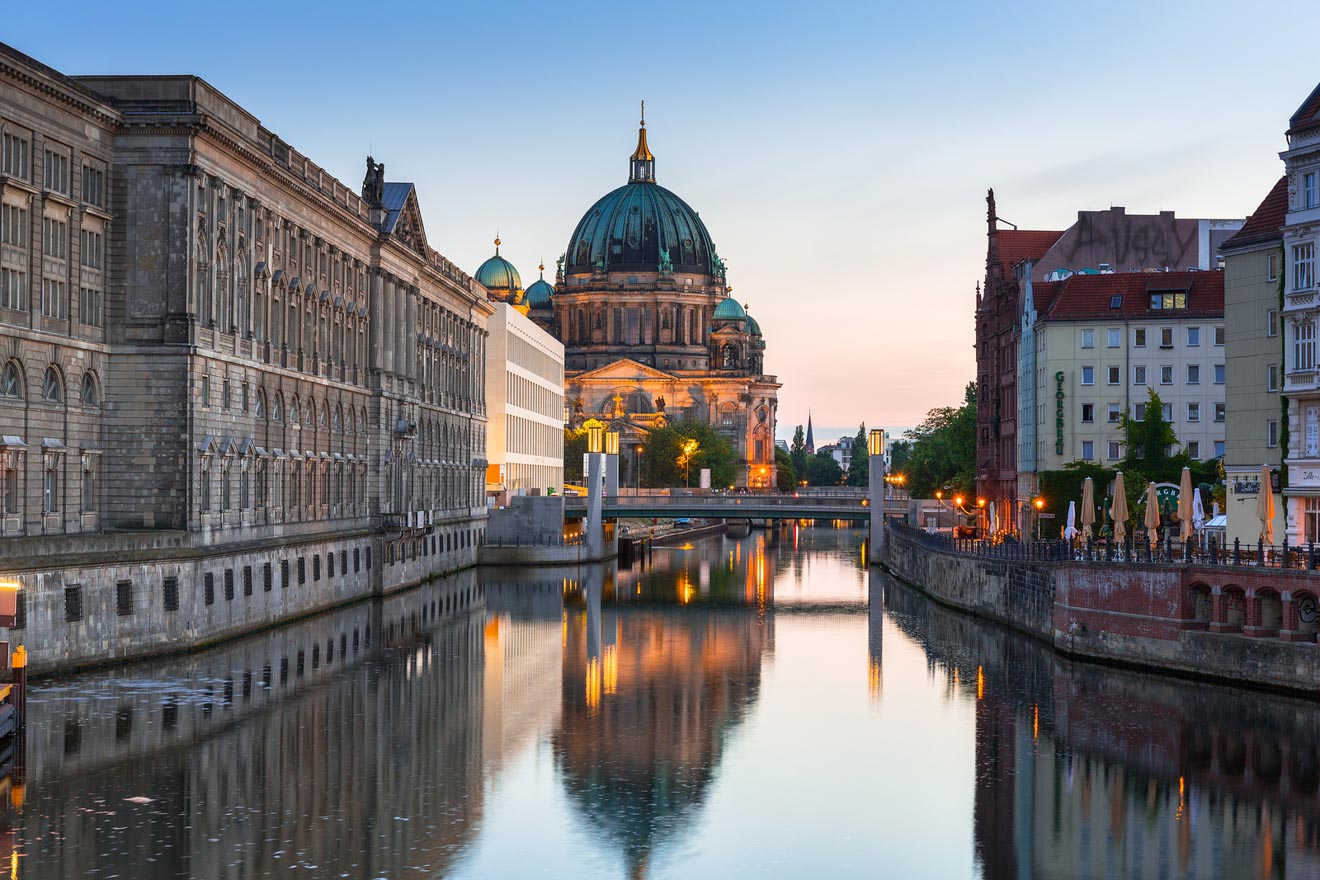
<point>839,153</point>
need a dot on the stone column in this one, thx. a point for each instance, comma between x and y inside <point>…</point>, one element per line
<point>595,508</point>
<point>876,467</point>
<point>410,334</point>
<point>376,316</point>
<point>611,475</point>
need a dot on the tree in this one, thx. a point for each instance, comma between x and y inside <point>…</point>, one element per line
<point>944,450</point>
<point>1149,442</point>
<point>786,478</point>
<point>670,455</point>
<point>823,470</point>
<point>859,468</point>
<point>899,453</point>
<point>797,451</point>
<point>575,446</point>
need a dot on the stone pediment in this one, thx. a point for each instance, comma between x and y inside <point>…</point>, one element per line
<point>626,370</point>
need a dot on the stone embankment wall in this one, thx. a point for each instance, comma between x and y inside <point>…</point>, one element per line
<point>1236,623</point>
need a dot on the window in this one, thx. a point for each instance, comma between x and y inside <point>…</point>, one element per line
<point>208,588</point>
<point>91,309</point>
<point>1168,300</point>
<point>13,225</point>
<point>1088,375</point>
<point>229,585</point>
<point>14,156</point>
<point>1272,267</point>
<point>54,298</point>
<point>57,172</point>
<point>1114,450</point>
<point>1193,337</point>
<point>1088,412</point>
<point>54,238</point>
<point>1139,412</point>
<point>1193,412</point>
<point>93,186</point>
<point>1166,410</point>
<point>1114,337</point>
<point>206,391</point>
<point>92,252</point>
<point>1088,450</point>
<point>1219,334</point>
<point>52,388</point>
<point>123,598</point>
<point>1193,449</point>
<point>224,394</point>
<point>1139,375</point>
<point>13,290</point>
<point>90,396</point>
<point>1166,337</point>
<point>1219,449</point>
<point>9,488</point>
<point>1272,377</point>
<point>1115,375</point>
<point>1193,374</point>
<point>1088,339</point>
<point>170,593</point>
<point>1309,193</point>
<point>1272,433</point>
<point>1138,337</point>
<point>1219,412</point>
<point>1272,322</point>
<point>266,579</point>
<point>50,487</point>
<point>1219,374</point>
<point>1166,374</point>
<point>1303,266</point>
<point>1114,412</point>
<point>73,603</point>
<point>1116,301</point>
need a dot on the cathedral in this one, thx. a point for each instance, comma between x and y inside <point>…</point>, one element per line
<point>651,332</point>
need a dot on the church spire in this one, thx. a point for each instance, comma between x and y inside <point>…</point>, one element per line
<point>643,163</point>
<point>811,442</point>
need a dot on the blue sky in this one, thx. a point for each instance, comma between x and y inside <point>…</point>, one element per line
<point>839,153</point>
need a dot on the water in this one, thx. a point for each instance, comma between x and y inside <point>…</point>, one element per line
<point>734,710</point>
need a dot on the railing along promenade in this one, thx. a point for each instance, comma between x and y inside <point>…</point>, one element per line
<point>834,504</point>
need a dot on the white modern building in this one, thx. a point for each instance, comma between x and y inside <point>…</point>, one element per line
<point>525,404</point>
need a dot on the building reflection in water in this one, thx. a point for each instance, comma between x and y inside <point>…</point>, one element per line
<point>1084,771</point>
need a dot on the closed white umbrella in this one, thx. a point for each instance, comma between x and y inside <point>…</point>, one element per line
<point>1070,531</point>
<point>1198,511</point>
<point>994,520</point>
<point>1185,509</point>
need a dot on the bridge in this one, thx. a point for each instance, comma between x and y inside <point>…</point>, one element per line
<point>853,506</point>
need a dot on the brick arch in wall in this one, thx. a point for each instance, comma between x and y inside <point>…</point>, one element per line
<point>1200,606</point>
<point>1307,603</point>
<point>1268,607</point>
<point>1235,605</point>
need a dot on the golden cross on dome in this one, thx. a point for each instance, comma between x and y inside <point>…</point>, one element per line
<point>643,114</point>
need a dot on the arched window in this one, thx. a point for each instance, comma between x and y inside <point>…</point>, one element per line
<point>325,415</point>
<point>90,395</point>
<point>10,383</point>
<point>53,388</point>
<point>294,411</point>
<point>349,426</point>
<point>307,417</point>
<point>338,425</point>
<point>260,408</point>
<point>277,408</point>
<point>362,421</point>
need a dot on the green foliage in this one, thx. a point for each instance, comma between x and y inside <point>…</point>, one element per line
<point>575,446</point>
<point>797,451</point>
<point>785,474</point>
<point>899,453</point>
<point>823,470</point>
<point>1149,442</point>
<point>662,463</point>
<point>859,467</point>
<point>943,450</point>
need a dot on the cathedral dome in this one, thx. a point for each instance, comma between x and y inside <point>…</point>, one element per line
<point>753,327</point>
<point>640,226</point>
<point>729,310</point>
<point>499,276</point>
<point>540,292</point>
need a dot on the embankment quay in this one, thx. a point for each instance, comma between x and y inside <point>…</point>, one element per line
<point>1247,623</point>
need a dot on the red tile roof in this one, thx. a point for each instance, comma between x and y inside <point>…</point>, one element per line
<point>1016,245</point>
<point>1088,297</point>
<point>1264,223</point>
<point>1307,115</point>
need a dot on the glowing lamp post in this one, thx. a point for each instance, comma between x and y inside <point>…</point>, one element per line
<point>595,492</point>
<point>612,463</point>
<point>1039,504</point>
<point>875,460</point>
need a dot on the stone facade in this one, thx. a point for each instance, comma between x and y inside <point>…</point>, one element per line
<point>215,358</point>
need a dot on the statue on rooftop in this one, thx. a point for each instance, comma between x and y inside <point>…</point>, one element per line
<point>373,184</point>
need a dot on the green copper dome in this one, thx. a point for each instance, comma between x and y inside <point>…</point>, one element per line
<point>498,274</point>
<point>539,294</point>
<point>729,310</point>
<point>753,327</point>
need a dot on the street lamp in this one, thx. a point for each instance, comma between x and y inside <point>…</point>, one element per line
<point>611,442</point>
<point>875,442</point>
<point>980,515</point>
<point>637,467</point>
<point>1039,504</point>
<point>595,438</point>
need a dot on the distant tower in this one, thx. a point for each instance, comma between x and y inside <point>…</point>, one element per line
<point>811,441</point>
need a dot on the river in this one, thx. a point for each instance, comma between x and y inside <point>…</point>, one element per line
<point>754,707</point>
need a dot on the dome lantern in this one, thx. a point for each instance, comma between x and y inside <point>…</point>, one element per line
<point>643,163</point>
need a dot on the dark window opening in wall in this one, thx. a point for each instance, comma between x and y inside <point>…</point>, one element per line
<point>169,714</point>
<point>368,559</point>
<point>228,697</point>
<point>316,567</point>
<point>433,545</point>
<point>343,644</point>
<point>302,664</point>
<point>265,577</point>
<point>170,592</point>
<point>20,611</point>
<point>366,636</point>
<point>284,574</point>
<point>73,602</point>
<point>284,670</point>
<point>316,657</point>
<point>229,584</point>
<point>355,641</point>
<point>343,562</point>
<point>329,565</point>
<point>266,676</point>
<point>123,722</point>
<point>389,553</point>
<point>247,685</point>
<point>208,588</point>
<point>302,570</point>
<point>357,560</point>
<point>247,580</point>
<point>124,598</point>
<point>329,651</point>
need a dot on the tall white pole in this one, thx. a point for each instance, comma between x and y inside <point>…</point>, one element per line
<point>595,507</point>
<point>876,473</point>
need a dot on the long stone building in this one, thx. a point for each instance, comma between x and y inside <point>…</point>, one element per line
<point>232,389</point>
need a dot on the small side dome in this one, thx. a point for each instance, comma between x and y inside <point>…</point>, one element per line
<point>540,292</point>
<point>729,310</point>
<point>500,277</point>
<point>753,327</point>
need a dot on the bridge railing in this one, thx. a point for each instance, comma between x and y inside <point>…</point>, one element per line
<point>723,502</point>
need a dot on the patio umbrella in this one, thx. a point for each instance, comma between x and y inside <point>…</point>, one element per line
<point>1265,506</point>
<point>1198,511</point>
<point>1185,508</point>
<point>1118,510</point>
<point>993,520</point>
<point>1088,508</point>
<point>1152,515</point>
<point>1070,530</point>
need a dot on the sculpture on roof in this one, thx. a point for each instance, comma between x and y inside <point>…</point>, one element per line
<point>373,184</point>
